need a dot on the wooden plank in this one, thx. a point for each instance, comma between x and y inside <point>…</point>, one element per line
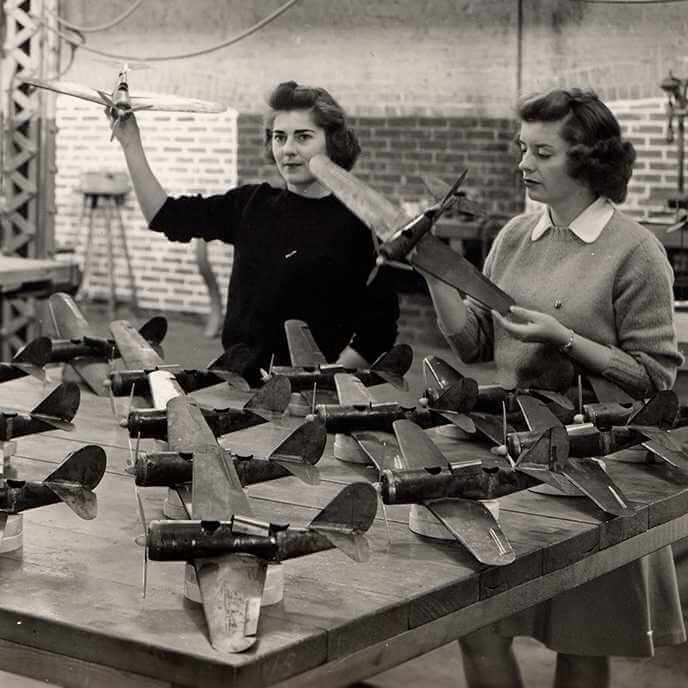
<point>417,641</point>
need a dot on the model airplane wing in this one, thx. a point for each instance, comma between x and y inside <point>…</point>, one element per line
<point>217,494</point>
<point>416,447</point>
<point>592,480</point>
<point>472,524</point>
<point>351,391</point>
<point>607,391</point>
<point>136,352</point>
<point>68,88</point>
<point>536,414</point>
<point>231,589</point>
<point>384,455</point>
<point>70,323</point>
<point>437,259</point>
<point>373,209</point>
<point>171,103</point>
<point>303,350</point>
<point>665,448</point>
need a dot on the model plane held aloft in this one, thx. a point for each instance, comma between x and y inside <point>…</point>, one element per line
<point>410,237</point>
<point>121,103</point>
<point>71,482</point>
<point>55,412</point>
<point>223,526</point>
<point>88,353</point>
<point>309,367</point>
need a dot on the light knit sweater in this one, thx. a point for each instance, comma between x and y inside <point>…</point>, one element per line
<point>616,290</point>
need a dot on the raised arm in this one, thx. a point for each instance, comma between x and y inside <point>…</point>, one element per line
<point>147,188</point>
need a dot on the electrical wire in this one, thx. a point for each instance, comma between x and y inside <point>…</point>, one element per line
<point>101,27</point>
<point>183,56</point>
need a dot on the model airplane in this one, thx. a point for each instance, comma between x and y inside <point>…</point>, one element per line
<point>121,103</point>
<point>418,473</point>
<point>55,412</point>
<point>141,359</point>
<point>310,367</point>
<point>29,360</point>
<point>296,455</point>
<point>71,482</point>
<point>358,410</point>
<point>223,526</point>
<point>88,353</point>
<point>410,237</point>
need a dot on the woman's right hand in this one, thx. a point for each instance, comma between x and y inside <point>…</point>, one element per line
<point>124,129</point>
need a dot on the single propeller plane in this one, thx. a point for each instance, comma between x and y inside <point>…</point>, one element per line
<point>71,482</point>
<point>228,547</point>
<point>410,238</point>
<point>121,103</point>
<point>310,368</point>
<point>88,353</point>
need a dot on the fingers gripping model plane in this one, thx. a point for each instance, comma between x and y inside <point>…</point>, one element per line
<point>121,103</point>
<point>410,237</point>
<point>228,546</point>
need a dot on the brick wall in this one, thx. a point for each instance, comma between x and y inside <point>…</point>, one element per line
<point>190,154</point>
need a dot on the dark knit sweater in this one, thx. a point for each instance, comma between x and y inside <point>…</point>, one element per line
<point>616,290</point>
<point>294,257</point>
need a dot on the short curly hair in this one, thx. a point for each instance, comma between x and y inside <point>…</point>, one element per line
<point>598,155</point>
<point>342,143</point>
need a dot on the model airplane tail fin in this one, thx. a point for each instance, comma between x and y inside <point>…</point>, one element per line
<point>60,406</point>
<point>230,368</point>
<point>439,373</point>
<point>461,396</point>
<point>302,449</point>
<point>73,480</point>
<point>33,356</point>
<point>549,452</point>
<point>347,517</point>
<point>660,411</point>
<point>393,365</point>
<point>274,395</point>
<point>154,331</point>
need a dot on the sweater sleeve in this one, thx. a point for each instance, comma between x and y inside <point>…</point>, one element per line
<point>375,328</point>
<point>211,217</point>
<point>647,357</point>
<point>475,341</point>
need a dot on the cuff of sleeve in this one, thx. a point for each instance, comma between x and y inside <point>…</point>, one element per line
<point>158,222</point>
<point>628,373</point>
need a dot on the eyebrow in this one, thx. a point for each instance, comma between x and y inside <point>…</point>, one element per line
<point>296,131</point>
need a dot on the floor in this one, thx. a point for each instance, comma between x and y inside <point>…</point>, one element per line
<point>441,668</point>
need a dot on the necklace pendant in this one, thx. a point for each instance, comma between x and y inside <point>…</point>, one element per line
<point>558,304</point>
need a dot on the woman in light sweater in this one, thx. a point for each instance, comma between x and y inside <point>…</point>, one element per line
<point>594,290</point>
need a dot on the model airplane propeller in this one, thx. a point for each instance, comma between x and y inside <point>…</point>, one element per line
<point>89,354</point>
<point>55,412</point>
<point>71,482</point>
<point>310,368</point>
<point>223,527</point>
<point>121,103</point>
<point>410,237</point>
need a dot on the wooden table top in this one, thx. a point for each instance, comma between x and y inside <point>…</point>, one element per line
<point>71,600</point>
<point>15,271</point>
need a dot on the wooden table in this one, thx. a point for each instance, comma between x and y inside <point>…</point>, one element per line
<point>71,609</point>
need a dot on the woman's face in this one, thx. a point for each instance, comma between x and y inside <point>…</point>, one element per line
<point>544,164</point>
<point>295,140</point>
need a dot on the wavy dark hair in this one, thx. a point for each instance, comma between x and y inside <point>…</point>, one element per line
<point>342,143</point>
<point>597,155</point>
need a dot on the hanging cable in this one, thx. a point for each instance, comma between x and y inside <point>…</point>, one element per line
<point>101,27</point>
<point>183,56</point>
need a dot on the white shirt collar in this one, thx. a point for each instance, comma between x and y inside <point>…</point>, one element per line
<point>587,226</point>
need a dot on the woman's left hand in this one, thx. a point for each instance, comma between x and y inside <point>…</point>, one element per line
<point>533,326</point>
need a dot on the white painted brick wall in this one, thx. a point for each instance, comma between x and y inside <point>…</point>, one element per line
<point>190,154</point>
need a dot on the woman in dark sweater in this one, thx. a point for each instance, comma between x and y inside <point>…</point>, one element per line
<point>298,252</point>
